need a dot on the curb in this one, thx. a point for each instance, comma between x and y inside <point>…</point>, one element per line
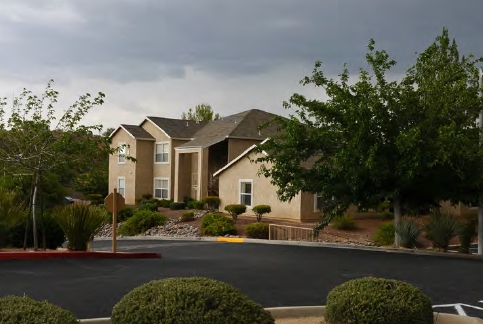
<point>454,255</point>
<point>317,311</point>
<point>39,255</point>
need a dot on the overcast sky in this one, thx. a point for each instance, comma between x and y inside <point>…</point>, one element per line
<point>160,57</point>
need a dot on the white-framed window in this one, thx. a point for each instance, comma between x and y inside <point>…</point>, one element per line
<point>246,192</point>
<point>161,152</point>
<point>121,155</point>
<point>161,188</point>
<point>121,186</point>
<point>318,202</point>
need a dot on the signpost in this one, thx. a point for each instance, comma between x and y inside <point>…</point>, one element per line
<point>114,202</point>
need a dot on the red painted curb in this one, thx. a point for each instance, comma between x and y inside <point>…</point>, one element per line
<point>38,255</point>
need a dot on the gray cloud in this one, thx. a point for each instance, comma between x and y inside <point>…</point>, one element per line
<point>127,40</point>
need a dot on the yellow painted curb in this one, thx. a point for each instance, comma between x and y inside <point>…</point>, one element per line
<point>230,239</point>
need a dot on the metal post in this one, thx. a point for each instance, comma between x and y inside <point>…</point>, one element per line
<point>480,201</point>
<point>114,220</point>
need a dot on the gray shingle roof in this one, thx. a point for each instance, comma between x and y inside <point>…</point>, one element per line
<point>137,132</point>
<point>177,128</point>
<point>241,125</point>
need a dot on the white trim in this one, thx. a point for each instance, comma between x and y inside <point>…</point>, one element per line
<point>169,151</point>
<point>236,159</point>
<point>154,187</point>
<point>132,136</point>
<point>124,153</point>
<point>118,187</point>
<point>147,118</point>
<point>240,181</point>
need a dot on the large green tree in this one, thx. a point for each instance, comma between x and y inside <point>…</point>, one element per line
<point>413,142</point>
<point>36,142</point>
<point>202,112</point>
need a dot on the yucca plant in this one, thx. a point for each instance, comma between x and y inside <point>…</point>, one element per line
<point>441,228</point>
<point>12,213</point>
<point>408,232</point>
<point>80,222</point>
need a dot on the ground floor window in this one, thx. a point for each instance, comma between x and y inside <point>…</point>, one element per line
<point>246,192</point>
<point>161,188</point>
<point>121,186</point>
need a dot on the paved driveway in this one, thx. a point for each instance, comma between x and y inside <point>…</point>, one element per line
<point>273,275</point>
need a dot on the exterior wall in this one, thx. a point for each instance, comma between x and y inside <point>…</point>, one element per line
<point>263,191</point>
<point>126,170</point>
<point>308,212</point>
<point>183,173</point>
<point>238,146</point>
<point>144,168</point>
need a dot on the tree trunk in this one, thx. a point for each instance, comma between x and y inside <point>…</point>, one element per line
<point>34,210</point>
<point>397,219</point>
<point>480,226</point>
<point>25,237</point>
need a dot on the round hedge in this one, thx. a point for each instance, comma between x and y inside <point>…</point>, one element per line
<point>24,310</point>
<point>378,301</point>
<point>186,301</point>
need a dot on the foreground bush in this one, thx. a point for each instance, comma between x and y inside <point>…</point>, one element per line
<point>408,232</point>
<point>213,202</point>
<point>164,203</point>
<point>12,214</point>
<point>148,206</point>
<point>196,204</point>
<point>344,223</point>
<point>378,301</point>
<point>466,233</point>
<point>235,210</point>
<point>257,230</point>
<point>141,222</point>
<point>24,310</point>
<point>125,213</point>
<point>440,229</point>
<point>217,225</point>
<point>261,210</point>
<point>384,234</point>
<point>80,223</point>
<point>188,301</point>
<point>187,216</point>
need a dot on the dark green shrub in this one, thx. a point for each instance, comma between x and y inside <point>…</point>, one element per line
<point>386,215</point>
<point>384,234</point>
<point>188,301</point>
<point>187,216</point>
<point>125,213</point>
<point>24,310</point>
<point>164,203</point>
<point>440,229</point>
<point>217,225</point>
<point>213,202</point>
<point>408,232</point>
<point>177,206</point>
<point>235,210</point>
<point>148,206</point>
<point>344,223</point>
<point>95,199</point>
<point>378,301</point>
<point>257,230</point>
<point>260,210</point>
<point>196,204</point>
<point>138,200</point>
<point>80,223</point>
<point>466,233</point>
<point>147,196</point>
<point>141,222</point>
<point>12,214</point>
<point>187,199</point>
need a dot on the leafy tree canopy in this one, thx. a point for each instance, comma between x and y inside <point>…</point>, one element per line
<point>202,112</point>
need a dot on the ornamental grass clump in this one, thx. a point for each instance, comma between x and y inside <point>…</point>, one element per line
<point>372,300</point>
<point>188,301</point>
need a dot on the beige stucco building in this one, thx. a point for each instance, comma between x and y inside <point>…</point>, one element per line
<point>240,184</point>
<point>177,158</point>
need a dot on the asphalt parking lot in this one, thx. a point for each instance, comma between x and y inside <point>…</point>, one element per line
<point>273,275</point>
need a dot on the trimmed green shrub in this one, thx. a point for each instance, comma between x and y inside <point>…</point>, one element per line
<point>217,225</point>
<point>260,210</point>
<point>186,301</point>
<point>187,199</point>
<point>25,310</point>
<point>164,203</point>
<point>213,202</point>
<point>466,233</point>
<point>384,234</point>
<point>187,216</point>
<point>95,199</point>
<point>387,215</point>
<point>257,230</point>
<point>125,213</point>
<point>141,222</point>
<point>147,196</point>
<point>148,206</point>
<point>378,301</point>
<point>177,206</point>
<point>441,228</point>
<point>196,204</point>
<point>138,200</point>
<point>408,232</point>
<point>80,223</point>
<point>235,210</point>
<point>344,223</point>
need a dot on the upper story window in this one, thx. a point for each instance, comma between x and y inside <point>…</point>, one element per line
<point>121,156</point>
<point>161,154</point>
